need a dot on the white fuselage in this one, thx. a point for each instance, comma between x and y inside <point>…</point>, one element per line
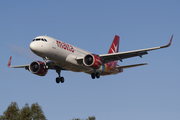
<point>62,54</point>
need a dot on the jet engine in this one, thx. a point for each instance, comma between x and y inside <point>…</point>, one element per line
<point>92,61</point>
<point>37,67</point>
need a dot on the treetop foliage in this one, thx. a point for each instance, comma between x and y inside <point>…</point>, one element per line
<point>89,118</point>
<point>26,113</point>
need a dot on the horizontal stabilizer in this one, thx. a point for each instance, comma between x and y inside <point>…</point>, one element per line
<point>130,66</point>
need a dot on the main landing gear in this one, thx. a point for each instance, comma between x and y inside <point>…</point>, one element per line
<point>59,79</point>
<point>58,70</point>
<point>95,74</point>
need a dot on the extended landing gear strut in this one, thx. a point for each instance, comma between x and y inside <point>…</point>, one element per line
<point>95,74</point>
<point>45,61</point>
<point>59,79</point>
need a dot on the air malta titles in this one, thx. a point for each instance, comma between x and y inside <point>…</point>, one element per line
<point>65,46</point>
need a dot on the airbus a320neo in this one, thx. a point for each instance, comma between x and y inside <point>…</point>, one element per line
<point>58,55</point>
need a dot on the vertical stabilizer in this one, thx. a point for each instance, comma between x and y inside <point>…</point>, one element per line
<point>115,45</point>
<point>114,48</point>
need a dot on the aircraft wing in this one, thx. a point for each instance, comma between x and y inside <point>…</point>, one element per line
<point>50,64</point>
<point>130,66</point>
<point>123,55</point>
<point>19,66</point>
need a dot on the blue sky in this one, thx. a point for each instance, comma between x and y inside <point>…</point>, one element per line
<point>147,92</point>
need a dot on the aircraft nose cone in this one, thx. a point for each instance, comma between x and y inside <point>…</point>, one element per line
<point>33,46</point>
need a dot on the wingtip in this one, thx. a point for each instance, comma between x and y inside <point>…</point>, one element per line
<point>145,63</point>
<point>168,43</point>
<point>170,40</point>
<point>9,62</point>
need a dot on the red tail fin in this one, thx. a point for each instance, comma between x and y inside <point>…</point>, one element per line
<point>114,48</point>
<point>115,45</point>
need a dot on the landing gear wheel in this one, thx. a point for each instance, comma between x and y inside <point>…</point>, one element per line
<point>93,76</point>
<point>62,79</point>
<point>57,80</point>
<point>97,75</point>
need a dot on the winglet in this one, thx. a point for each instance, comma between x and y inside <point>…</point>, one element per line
<point>170,40</point>
<point>168,43</point>
<point>9,63</point>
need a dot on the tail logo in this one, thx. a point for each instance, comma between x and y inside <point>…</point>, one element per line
<point>115,45</point>
<point>115,48</point>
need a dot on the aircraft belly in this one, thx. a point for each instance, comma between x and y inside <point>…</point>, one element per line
<point>76,68</point>
<point>72,67</point>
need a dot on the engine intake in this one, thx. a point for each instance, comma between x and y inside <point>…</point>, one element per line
<point>37,67</point>
<point>92,61</point>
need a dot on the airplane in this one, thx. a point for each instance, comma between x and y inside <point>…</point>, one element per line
<point>58,55</point>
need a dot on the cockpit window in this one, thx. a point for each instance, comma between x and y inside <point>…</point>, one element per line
<point>44,40</point>
<point>40,39</point>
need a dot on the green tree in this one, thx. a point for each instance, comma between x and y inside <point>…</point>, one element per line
<point>92,118</point>
<point>25,113</point>
<point>89,118</point>
<point>37,113</point>
<point>12,112</point>
<point>76,119</point>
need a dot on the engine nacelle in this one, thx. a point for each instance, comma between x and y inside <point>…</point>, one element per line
<point>37,67</point>
<point>92,61</point>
